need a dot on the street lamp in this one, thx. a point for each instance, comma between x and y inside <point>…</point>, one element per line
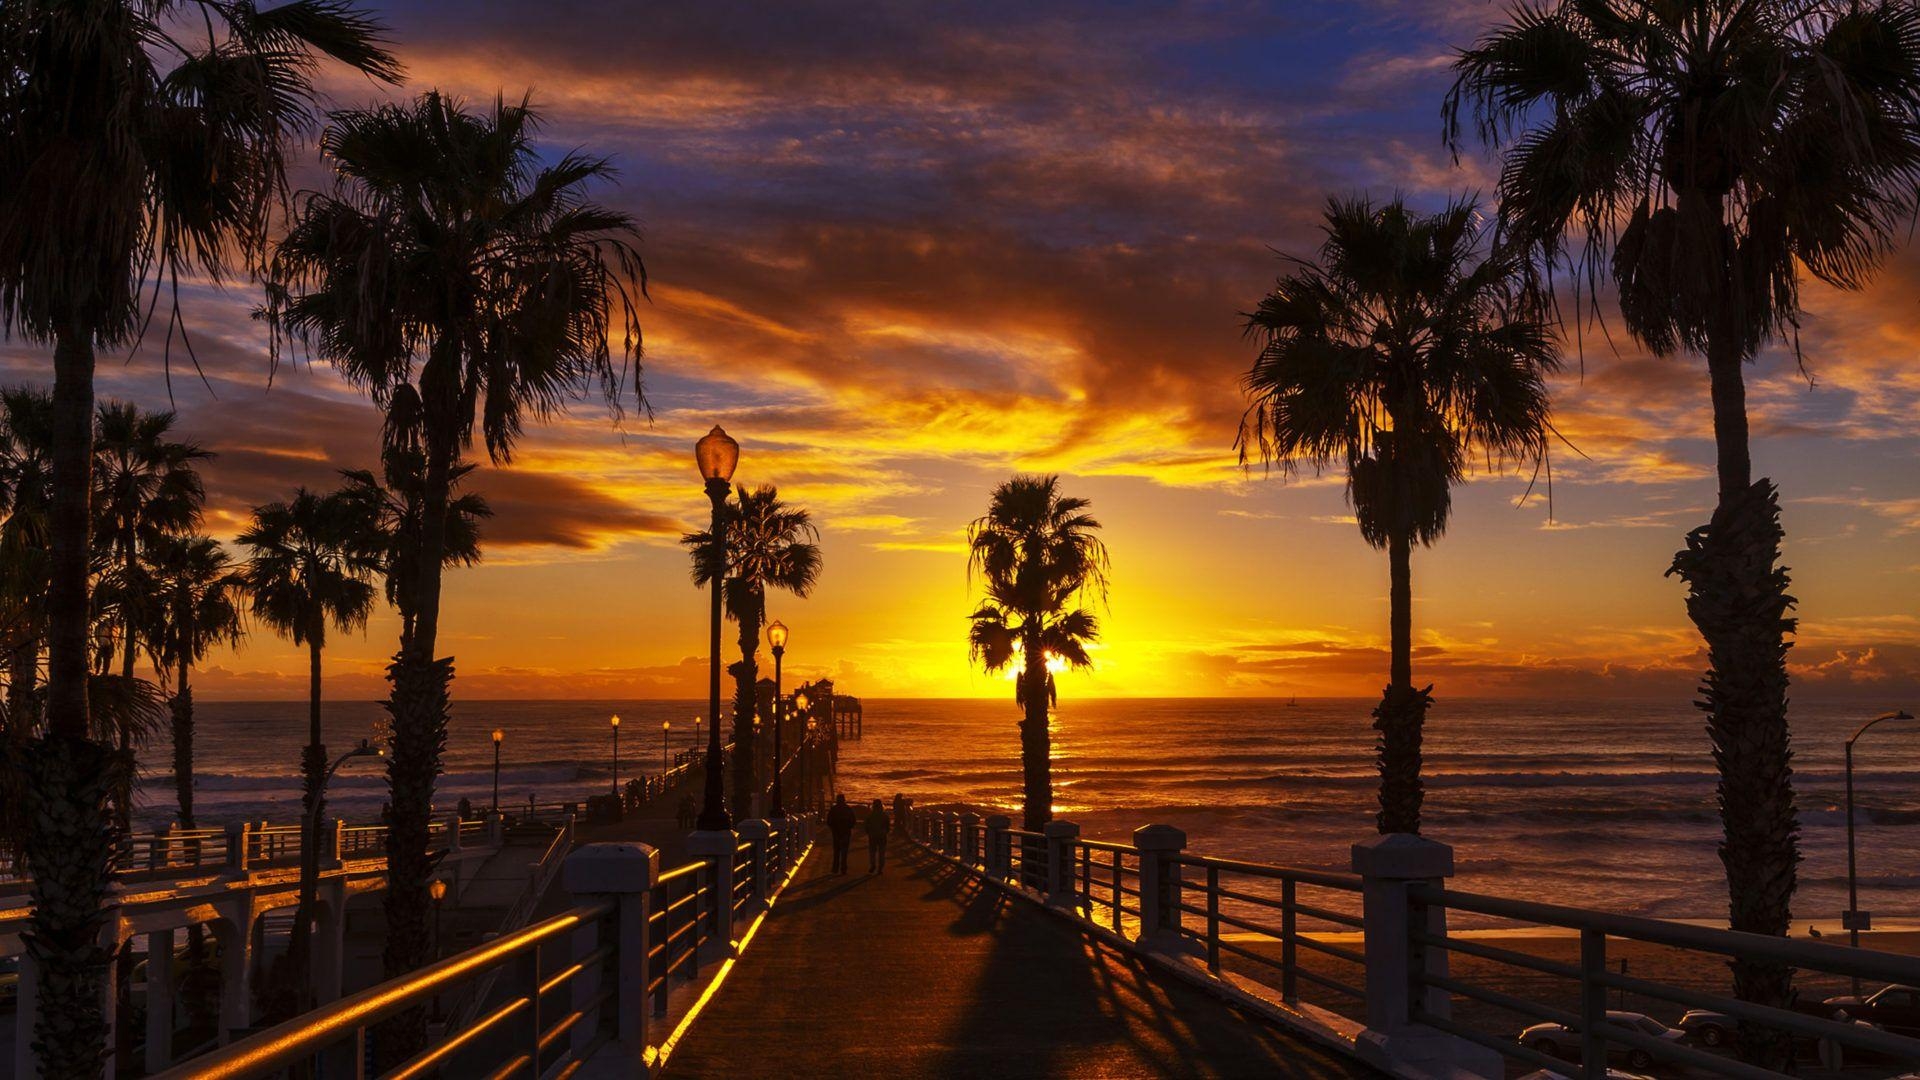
<point>499,737</point>
<point>365,749</point>
<point>616,754</point>
<point>437,890</point>
<point>1853,918</point>
<point>777,637</point>
<point>666,765</point>
<point>717,455</point>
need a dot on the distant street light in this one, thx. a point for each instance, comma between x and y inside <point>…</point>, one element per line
<point>616,755</point>
<point>499,737</point>
<point>1853,918</point>
<point>666,764</point>
<point>717,455</point>
<point>437,890</point>
<point>777,637</point>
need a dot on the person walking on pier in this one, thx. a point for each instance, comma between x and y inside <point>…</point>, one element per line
<point>840,822</point>
<point>877,826</point>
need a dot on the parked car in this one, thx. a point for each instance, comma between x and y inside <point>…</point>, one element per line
<point>9,981</point>
<point>1895,1008</point>
<point>1557,1040</point>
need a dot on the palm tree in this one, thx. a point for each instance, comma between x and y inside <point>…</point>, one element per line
<point>769,546</point>
<point>464,285</point>
<point>308,569</point>
<point>26,492</point>
<point>195,609</point>
<point>147,489</point>
<point>1705,154</point>
<point>390,518</point>
<point>138,142</point>
<point>1037,555</point>
<point>1397,356</point>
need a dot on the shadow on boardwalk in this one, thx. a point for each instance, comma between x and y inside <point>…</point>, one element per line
<point>923,972</point>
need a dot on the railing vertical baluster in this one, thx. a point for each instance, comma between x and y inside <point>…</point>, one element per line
<point>1593,1005</point>
<point>1117,894</point>
<point>1213,919</point>
<point>533,1012</point>
<point>1289,950</point>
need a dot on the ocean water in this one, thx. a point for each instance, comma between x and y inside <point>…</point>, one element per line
<point>1607,805</point>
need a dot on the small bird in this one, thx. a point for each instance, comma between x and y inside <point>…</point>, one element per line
<point>1812,930</point>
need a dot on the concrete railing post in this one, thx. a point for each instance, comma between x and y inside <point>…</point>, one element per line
<point>1388,865</point>
<point>235,935</point>
<point>1159,845</point>
<point>160,998</point>
<point>26,1005</point>
<point>970,838</point>
<point>239,846</point>
<point>716,847</point>
<point>160,855</point>
<point>760,864</point>
<point>333,837</point>
<point>996,862</point>
<point>1060,837</point>
<point>626,874</point>
<point>496,829</point>
<point>949,829</point>
<point>453,832</point>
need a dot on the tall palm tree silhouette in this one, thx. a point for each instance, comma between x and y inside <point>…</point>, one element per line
<point>1705,155</point>
<point>1399,354</point>
<point>466,286</point>
<point>770,545</point>
<point>1037,557</point>
<point>308,569</point>
<point>147,489</point>
<point>196,607</point>
<point>145,142</point>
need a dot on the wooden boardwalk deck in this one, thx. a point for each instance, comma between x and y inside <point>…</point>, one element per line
<point>923,972</point>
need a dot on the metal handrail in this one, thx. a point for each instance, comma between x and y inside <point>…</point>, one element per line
<point>299,1039</point>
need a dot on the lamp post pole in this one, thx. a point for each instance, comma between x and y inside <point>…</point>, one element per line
<point>1855,919</point>
<point>666,763</point>
<point>777,636</point>
<point>499,736</point>
<point>616,756</point>
<point>717,455</point>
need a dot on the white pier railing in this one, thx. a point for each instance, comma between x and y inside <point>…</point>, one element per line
<point>1365,961</point>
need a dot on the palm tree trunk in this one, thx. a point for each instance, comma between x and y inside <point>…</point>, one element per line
<point>200,989</point>
<point>181,714</point>
<point>745,704</point>
<point>1036,742</point>
<point>69,842</point>
<point>313,769</point>
<point>1737,597</point>
<point>22,676</point>
<point>419,706</point>
<point>1402,711</point>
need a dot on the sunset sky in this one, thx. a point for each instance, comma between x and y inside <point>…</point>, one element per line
<point>903,251</point>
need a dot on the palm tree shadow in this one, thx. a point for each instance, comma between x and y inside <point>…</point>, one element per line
<point>1053,1000</point>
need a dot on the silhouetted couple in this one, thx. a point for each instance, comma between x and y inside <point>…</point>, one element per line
<point>841,820</point>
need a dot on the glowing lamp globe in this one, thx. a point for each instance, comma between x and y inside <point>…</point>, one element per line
<point>499,736</point>
<point>616,721</point>
<point>438,890</point>
<point>777,634</point>
<point>716,454</point>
